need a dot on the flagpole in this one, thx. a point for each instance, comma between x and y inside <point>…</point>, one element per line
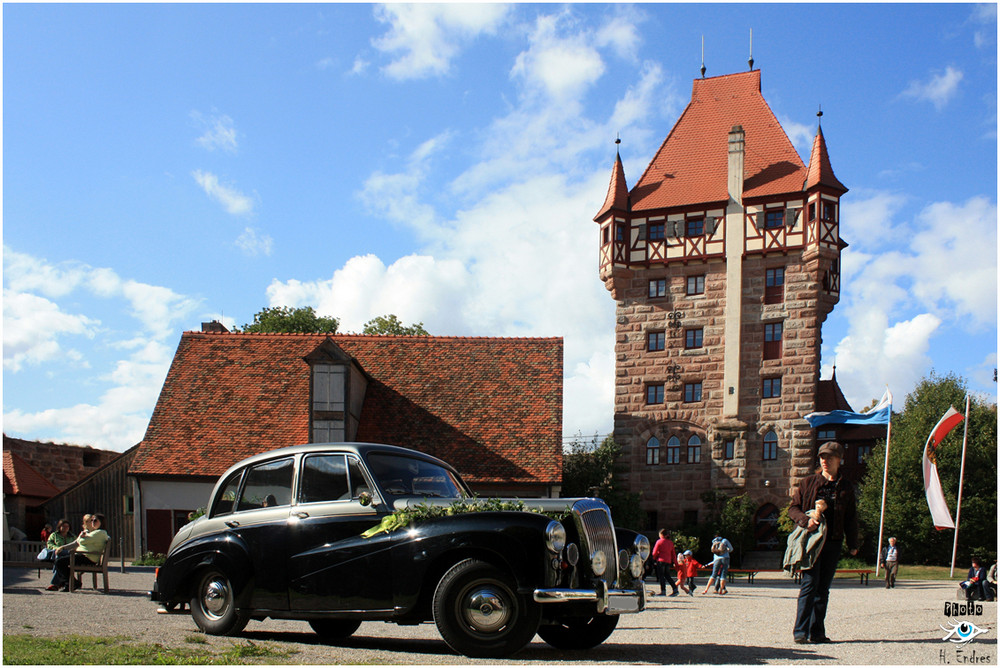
<point>961,478</point>
<point>885,478</point>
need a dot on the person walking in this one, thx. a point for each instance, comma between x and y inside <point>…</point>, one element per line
<point>889,559</point>
<point>721,549</point>
<point>687,569</point>
<point>664,558</point>
<point>842,523</point>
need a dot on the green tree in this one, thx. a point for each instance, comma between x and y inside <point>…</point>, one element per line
<point>906,514</point>
<point>287,320</point>
<point>737,525</point>
<point>592,469</point>
<point>390,325</point>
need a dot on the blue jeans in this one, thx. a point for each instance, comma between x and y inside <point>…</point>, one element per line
<point>814,594</point>
<point>720,569</point>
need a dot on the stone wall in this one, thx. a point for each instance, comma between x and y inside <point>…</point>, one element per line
<point>62,465</point>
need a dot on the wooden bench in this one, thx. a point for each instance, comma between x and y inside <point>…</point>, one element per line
<point>24,554</point>
<point>797,575</point>
<point>81,564</point>
<point>862,572</point>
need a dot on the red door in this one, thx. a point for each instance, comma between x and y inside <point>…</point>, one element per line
<point>159,529</point>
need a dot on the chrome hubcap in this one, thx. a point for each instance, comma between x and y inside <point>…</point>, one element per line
<point>215,599</point>
<point>486,610</point>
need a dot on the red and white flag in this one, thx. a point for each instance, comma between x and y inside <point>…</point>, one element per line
<point>932,484</point>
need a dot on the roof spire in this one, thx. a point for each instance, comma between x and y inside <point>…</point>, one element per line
<point>618,142</point>
<point>702,56</point>
<point>819,115</point>
<point>750,62</point>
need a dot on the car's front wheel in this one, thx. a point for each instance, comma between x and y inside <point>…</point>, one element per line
<point>213,606</point>
<point>479,613</point>
<point>334,629</point>
<point>578,632</point>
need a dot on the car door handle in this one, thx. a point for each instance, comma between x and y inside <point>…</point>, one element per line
<point>301,514</point>
<point>232,524</point>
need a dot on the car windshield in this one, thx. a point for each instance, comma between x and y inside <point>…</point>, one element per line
<point>405,476</point>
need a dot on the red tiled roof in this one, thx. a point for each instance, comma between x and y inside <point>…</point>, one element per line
<point>820,170</point>
<point>20,478</point>
<point>691,164</point>
<point>491,407</point>
<point>617,198</point>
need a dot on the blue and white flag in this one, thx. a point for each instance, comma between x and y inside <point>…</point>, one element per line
<point>877,415</point>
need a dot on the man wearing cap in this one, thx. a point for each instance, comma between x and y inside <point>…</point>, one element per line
<point>842,522</point>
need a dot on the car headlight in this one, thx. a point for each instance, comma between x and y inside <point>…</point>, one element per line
<point>555,537</point>
<point>598,562</point>
<point>572,554</point>
<point>635,566</point>
<point>641,547</point>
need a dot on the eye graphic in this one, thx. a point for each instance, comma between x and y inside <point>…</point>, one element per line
<point>962,632</point>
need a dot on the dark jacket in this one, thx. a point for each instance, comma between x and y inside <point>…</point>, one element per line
<point>841,517</point>
<point>885,552</point>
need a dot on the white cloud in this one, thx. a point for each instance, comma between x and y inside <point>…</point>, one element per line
<point>232,200</point>
<point>561,66</point>
<point>218,132</point>
<point>253,243</point>
<point>918,275</point>
<point>425,38</point>
<point>360,66</point>
<point>32,326</point>
<point>800,134</point>
<point>119,418</point>
<point>938,90</point>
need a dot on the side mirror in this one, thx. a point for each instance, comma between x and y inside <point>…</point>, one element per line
<point>365,498</point>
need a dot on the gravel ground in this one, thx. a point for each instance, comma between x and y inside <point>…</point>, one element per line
<point>751,625</point>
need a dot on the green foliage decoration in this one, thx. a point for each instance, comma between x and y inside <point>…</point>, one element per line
<point>424,512</point>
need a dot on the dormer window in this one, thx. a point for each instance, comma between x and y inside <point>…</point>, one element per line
<point>338,385</point>
<point>695,227</point>
<point>774,218</point>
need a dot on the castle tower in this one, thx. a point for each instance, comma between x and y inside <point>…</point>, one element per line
<point>723,260</point>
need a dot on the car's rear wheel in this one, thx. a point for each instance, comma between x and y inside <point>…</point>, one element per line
<point>479,613</point>
<point>213,606</point>
<point>578,632</point>
<point>334,629</point>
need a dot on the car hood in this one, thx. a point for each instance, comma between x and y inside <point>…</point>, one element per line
<point>543,505</point>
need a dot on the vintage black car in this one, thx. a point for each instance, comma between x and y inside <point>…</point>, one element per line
<point>282,538</point>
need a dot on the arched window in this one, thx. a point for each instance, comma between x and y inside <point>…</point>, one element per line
<point>770,445</point>
<point>653,451</point>
<point>674,450</point>
<point>694,450</point>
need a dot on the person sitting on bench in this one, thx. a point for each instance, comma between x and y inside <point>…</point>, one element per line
<point>89,545</point>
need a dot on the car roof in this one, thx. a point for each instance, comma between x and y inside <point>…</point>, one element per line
<point>362,449</point>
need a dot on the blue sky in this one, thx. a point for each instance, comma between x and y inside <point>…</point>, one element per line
<point>165,165</point>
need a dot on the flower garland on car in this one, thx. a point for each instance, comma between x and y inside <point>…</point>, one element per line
<point>424,511</point>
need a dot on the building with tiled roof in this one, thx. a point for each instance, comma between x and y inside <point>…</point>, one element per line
<point>724,261</point>
<point>492,407</point>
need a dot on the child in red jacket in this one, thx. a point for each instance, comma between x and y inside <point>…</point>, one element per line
<point>686,571</point>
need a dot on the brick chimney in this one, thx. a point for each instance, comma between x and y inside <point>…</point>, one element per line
<point>214,327</point>
<point>736,154</point>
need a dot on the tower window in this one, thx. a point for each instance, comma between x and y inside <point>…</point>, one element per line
<point>812,211</point>
<point>619,233</point>
<point>692,392</point>
<point>654,393</point>
<point>694,227</point>
<point>770,446</point>
<point>772,341</point>
<point>674,450</point>
<point>729,450</point>
<point>694,450</point>
<point>696,285</point>
<point>863,451</point>
<point>774,286</point>
<point>657,288</point>
<point>693,338</point>
<point>605,235</point>
<point>826,435</point>
<point>653,451</point>
<point>656,232</point>
<point>774,218</point>
<point>829,211</point>
<point>655,341</point>
<point>772,388</point>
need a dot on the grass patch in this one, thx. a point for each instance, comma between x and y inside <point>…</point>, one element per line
<point>21,649</point>
<point>906,572</point>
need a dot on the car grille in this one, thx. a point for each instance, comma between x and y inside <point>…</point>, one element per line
<point>593,519</point>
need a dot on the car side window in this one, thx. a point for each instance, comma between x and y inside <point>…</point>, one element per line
<point>359,484</point>
<point>324,478</point>
<point>268,485</point>
<point>227,496</point>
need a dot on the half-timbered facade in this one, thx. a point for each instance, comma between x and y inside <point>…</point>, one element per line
<point>724,261</point>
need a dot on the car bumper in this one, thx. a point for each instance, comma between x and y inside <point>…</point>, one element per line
<point>609,601</point>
